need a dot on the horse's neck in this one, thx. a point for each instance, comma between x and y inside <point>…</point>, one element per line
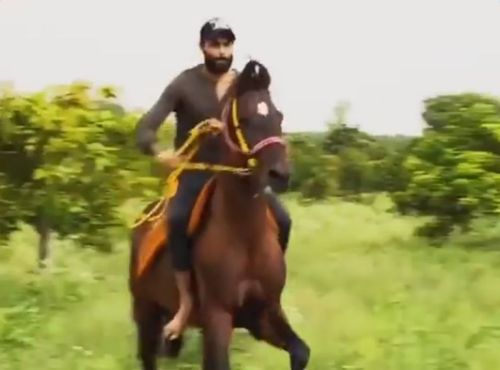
<point>242,208</point>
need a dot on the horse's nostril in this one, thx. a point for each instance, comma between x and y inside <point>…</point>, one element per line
<point>273,173</point>
<point>277,175</point>
<point>278,180</point>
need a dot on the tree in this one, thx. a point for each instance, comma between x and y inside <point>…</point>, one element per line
<point>359,154</point>
<point>454,169</point>
<point>315,173</point>
<point>67,160</point>
<point>9,217</point>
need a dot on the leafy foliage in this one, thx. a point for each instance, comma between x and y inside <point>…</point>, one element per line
<point>454,168</point>
<point>315,173</point>
<point>68,160</point>
<point>346,161</point>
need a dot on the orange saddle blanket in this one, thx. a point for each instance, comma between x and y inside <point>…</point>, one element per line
<point>157,236</point>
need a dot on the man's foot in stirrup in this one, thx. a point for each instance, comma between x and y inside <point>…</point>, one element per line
<point>176,326</point>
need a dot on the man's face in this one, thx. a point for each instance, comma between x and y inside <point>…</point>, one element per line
<point>218,55</point>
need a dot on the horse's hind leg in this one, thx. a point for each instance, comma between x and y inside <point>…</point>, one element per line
<point>273,327</point>
<point>148,319</point>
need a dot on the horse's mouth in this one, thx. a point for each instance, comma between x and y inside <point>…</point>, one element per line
<point>278,181</point>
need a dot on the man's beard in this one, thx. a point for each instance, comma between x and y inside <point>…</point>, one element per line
<point>218,66</point>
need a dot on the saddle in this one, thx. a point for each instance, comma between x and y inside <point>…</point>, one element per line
<point>156,236</point>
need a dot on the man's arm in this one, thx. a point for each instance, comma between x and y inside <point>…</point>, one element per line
<point>149,124</point>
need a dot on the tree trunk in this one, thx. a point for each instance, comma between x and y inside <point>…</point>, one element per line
<point>44,254</point>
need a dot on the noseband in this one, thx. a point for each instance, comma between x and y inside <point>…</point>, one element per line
<point>242,146</point>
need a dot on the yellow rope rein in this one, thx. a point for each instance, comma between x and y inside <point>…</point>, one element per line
<point>172,181</point>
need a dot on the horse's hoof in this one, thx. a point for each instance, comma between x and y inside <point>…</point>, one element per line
<point>299,355</point>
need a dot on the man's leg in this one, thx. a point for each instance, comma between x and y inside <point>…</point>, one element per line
<point>282,218</point>
<point>179,212</point>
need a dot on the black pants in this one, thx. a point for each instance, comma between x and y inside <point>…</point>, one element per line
<point>179,212</point>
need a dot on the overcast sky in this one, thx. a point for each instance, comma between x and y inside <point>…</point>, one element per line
<point>383,56</point>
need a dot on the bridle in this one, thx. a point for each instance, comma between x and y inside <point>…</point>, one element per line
<point>242,146</point>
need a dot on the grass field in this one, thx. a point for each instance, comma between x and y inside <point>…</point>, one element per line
<point>362,292</point>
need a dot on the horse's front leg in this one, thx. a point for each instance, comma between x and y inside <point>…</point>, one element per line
<point>272,326</point>
<point>217,331</point>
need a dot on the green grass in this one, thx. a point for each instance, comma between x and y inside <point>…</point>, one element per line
<point>362,292</point>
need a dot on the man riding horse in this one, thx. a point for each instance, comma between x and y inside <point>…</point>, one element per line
<point>196,94</point>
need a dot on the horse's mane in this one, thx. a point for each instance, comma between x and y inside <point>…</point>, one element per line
<point>253,77</point>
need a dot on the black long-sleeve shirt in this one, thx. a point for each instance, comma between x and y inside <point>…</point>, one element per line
<point>192,96</point>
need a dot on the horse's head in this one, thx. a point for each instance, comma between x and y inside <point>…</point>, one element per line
<point>253,129</point>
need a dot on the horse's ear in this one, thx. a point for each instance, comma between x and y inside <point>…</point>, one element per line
<point>254,76</point>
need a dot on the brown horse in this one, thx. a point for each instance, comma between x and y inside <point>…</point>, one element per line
<point>238,264</point>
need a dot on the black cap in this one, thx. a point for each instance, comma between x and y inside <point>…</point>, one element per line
<point>216,27</point>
